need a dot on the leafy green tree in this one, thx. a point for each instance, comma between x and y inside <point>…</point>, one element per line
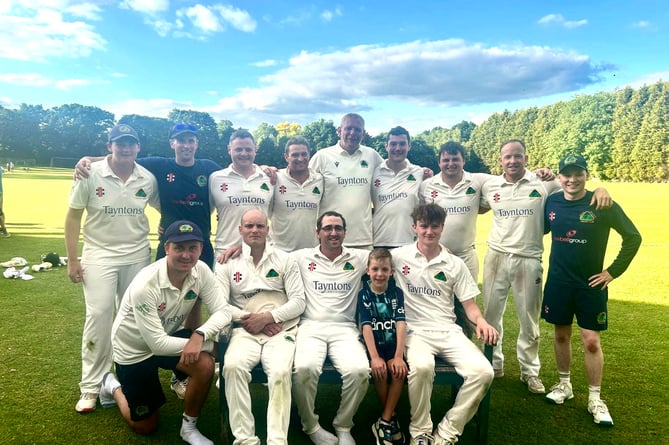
<point>320,134</point>
<point>75,130</point>
<point>650,154</point>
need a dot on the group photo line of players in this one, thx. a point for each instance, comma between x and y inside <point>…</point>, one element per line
<point>342,255</point>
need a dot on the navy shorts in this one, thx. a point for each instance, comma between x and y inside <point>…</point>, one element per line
<point>562,302</point>
<point>386,352</point>
<point>140,382</point>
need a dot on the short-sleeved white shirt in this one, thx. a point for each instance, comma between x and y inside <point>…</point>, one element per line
<point>232,194</point>
<point>430,286</point>
<point>116,227</point>
<point>394,197</point>
<point>294,211</point>
<point>331,287</point>
<point>240,279</point>
<point>152,309</point>
<point>518,213</point>
<point>462,207</point>
<point>348,180</point>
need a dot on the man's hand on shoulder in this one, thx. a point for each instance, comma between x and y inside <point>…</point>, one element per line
<point>82,168</point>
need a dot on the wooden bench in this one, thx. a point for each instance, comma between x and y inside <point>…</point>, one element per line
<point>444,375</point>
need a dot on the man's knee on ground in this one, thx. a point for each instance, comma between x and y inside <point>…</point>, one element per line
<point>145,426</point>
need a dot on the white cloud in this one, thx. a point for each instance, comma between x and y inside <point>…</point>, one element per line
<point>151,7</point>
<point>446,72</point>
<point>203,19</point>
<point>265,63</point>
<point>237,18</point>
<point>69,83</point>
<point>560,20</point>
<point>40,34</point>
<point>146,107</point>
<point>118,75</point>
<point>87,11</point>
<point>328,15</point>
<point>37,80</point>
<point>25,80</point>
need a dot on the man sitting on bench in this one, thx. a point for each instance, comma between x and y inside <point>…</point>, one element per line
<point>431,278</point>
<point>331,274</point>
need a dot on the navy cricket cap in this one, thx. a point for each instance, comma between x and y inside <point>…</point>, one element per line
<point>572,160</point>
<point>122,131</point>
<point>181,231</point>
<point>180,129</point>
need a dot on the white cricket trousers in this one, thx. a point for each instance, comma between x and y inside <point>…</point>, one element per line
<point>471,259</point>
<point>339,341</point>
<point>244,352</point>
<point>523,275</point>
<point>104,286</point>
<point>468,361</point>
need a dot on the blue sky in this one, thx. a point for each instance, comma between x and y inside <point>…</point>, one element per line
<point>419,64</point>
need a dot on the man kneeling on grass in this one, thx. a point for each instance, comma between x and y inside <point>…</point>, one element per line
<point>146,335</point>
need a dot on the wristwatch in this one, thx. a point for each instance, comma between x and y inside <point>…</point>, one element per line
<point>197,331</point>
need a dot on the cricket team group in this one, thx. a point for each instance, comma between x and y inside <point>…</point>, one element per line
<point>342,255</point>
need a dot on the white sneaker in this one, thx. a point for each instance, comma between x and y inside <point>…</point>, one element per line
<point>86,403</point>
<point>560,392</point>
<point>345,438</point>
<point>194,437</point>
<point>323,437</point>
<point>179,387</point>
<point>533,383</point>
<point>438,440</point>
<point>600,412</point>
<point>109,385</point>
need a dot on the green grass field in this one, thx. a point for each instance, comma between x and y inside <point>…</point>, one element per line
<point>42,320</point>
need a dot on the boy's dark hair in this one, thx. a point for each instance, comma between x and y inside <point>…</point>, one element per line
<point>399,131</point>
<point>452,148</point>
<point>428,214</point>
<point>380,253</point>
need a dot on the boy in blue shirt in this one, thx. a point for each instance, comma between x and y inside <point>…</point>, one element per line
<point>381,312</point>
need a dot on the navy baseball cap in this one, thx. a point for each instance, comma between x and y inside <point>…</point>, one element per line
<point>181,231</point>
<point>180,129</point>
<point>573,160</point>
<point>122,131</point>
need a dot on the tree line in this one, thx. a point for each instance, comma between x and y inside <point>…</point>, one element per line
<point>623,134</point>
